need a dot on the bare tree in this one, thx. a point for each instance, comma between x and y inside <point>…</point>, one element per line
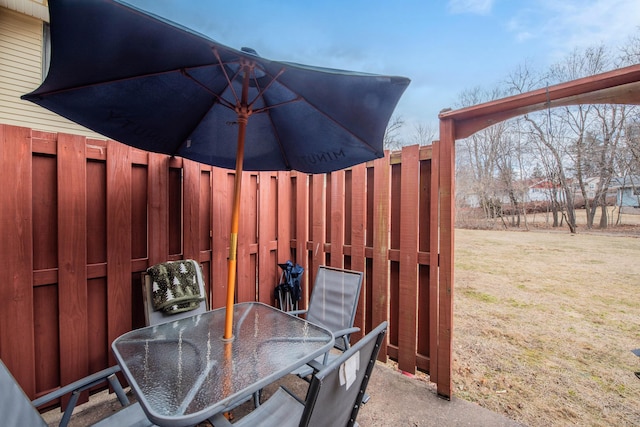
<point>423,134</point>
<point>551,144</point>
<point>483,156</point>
<point>630,52</point>
<point>392,133</point>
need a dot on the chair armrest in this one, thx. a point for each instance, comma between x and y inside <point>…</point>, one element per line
<point>76,387</point>
<point>345,332</point>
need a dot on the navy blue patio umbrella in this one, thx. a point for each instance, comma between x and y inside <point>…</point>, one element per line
<point>152,84</point>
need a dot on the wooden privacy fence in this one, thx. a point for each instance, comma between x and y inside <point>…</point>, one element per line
<point>82,218</point>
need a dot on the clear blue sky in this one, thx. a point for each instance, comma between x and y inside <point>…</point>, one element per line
<point>443,46</point>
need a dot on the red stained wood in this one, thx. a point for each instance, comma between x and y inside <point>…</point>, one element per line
<point>267,236</point>
<point>302,234</point>
<point>191,210</point>
<point>246,289</point>
<point>158,216</point>
<point>355,230</point>
<point>445,287</point>
<point>380,291</point>
<point>47,349</point>
<point>408,290</point>
<point>434,246</point>
<point>424,267</point>
<point>16,292</point>
<point>175,212</point>
<point>144,208</point>
<point>72,256</point>
<point>119,226</point>
<point>318,226</point>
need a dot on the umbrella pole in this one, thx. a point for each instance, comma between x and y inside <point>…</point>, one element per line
<point>243,116</point>
<point>233,241</point>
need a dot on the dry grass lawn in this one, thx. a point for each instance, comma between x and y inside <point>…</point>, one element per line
<point>544,325</point>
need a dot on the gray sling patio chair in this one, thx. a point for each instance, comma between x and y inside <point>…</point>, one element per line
<point>333,304</point>
<point>334,397</point>
<point>18,411</point>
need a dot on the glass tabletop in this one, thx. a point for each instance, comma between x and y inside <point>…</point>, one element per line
<point>183,372</point>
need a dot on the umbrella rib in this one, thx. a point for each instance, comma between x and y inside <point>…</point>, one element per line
<point>215,95</point>
<point>226,76</point>
<point>269,107</point>
<point>264,89</point>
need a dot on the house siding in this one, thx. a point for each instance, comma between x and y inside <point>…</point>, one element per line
<point>21,72</point>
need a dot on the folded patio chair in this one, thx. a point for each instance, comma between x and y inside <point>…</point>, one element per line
<point>173,290</point>
<point>289,291</point>
<point>335,393</point>
<point>18,411</point>
<point>333,304</point>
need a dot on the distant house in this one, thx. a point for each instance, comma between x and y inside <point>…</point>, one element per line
<point>627,193</point>
<point>24,53</point>
<point>541,191</point>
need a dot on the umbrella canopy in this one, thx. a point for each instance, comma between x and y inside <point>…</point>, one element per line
<point>154,85</point>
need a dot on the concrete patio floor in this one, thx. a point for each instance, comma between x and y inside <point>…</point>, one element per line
<point>396,400</point>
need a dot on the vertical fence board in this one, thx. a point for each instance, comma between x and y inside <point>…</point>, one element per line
<point>191,210</point>
<point>45,260</point>
<point>302,232</point>
<point>204,224</point>
<point>433,264</point>
<point>424,267</point>
<point>175,211</point>
<point>47,349</point>
<point>408,290</point>
<point>318,224</point>
<point>139,191</point>
<point>394,257</point>
<point>285,218</point>
<point>247,239</point>
<point>356,231</point>
<point>267,236</point>
<point>16,291</point>
<point>445,293</point>
<point>97,244</point>
<point>158,175</point>
<point>99,340</point>
<point>119,214</point>
<point>337,214</point>
<point>222,186</point>
<point>72,255</point>
<point>380,256</point>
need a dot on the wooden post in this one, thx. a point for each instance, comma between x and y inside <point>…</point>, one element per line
<point>445,292</point>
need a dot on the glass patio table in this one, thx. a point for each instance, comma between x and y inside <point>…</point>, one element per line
<point>183,372</point>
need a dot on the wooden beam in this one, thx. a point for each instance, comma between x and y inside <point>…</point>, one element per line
<point>620,86</point>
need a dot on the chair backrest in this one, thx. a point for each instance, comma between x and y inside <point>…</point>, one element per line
<point>334,299</point>
<point>154,317</point>
<point>336,392</point>
<point>15,407</point>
